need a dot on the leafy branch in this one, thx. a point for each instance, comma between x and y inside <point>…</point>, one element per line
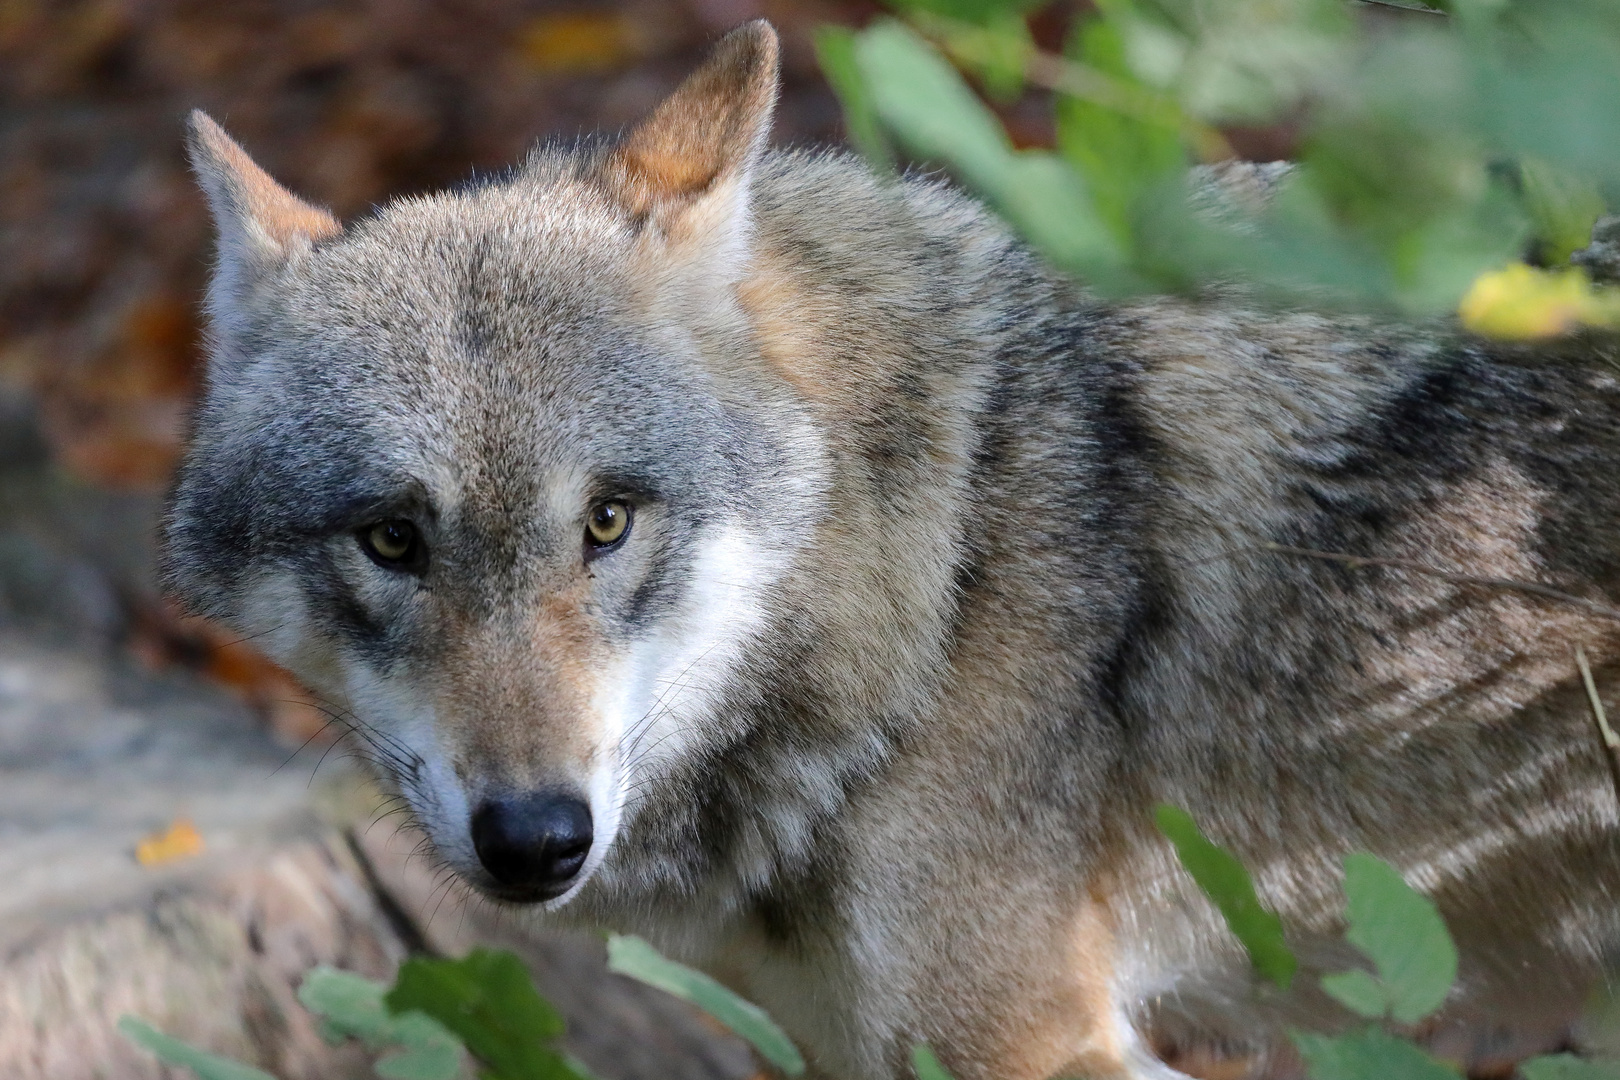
<point>1449,161</point>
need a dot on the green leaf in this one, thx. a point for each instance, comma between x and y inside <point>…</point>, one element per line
<point>350,1005</point>
<point>927,1065</point>
<point>1436,263</point>
<point>172,1051</point>
<point>1225,881</point>
<point>431,1051</point>
<point>1047,200</point>
<point>997,53</point>
<point>1359,992</point>
<point>926,102</point>
<point>634,957</point>
<point>439,1062</point>
<point>929,107</point>
<point>1544,87</point>
<point>1402,933</point>
<point>1562,207</point>
<point>1429,151</point>
<point>835,51</point>
<point>1568,1067</point>
<point>1367,1055</point>
<point>488,1001</point>
<point>1120,157</point>
<point>974,11</point>
<point>1242,61</point>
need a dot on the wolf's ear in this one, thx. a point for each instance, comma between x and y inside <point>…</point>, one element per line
<point>260,223</point>
<point>686,168</point>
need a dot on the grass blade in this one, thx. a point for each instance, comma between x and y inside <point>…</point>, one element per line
<point>172,1051</point>
<point>634,957</point>
<point>1224,880</point>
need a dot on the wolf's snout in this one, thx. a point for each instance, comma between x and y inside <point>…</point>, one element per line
<point>534,843</point>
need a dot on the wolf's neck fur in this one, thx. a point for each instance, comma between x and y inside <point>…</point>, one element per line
<point>967,440</point>
<point>1042,526</point>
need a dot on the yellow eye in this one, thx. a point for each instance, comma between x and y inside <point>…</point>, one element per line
<point>390,541</point>
<point>608,523</point>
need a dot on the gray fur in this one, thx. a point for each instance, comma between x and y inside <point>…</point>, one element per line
<point>1004,589</point>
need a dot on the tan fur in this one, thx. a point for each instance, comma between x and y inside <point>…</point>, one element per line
<point>253,196</point>
<point>517,700</point>
<point>702,136</point>
<point>1487,658</point>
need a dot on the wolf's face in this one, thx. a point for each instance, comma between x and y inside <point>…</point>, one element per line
<point>480,470</point>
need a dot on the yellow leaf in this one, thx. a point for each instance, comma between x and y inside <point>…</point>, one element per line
<point>180,840</point>
<point>1522,303</point>
<point>579,41</point>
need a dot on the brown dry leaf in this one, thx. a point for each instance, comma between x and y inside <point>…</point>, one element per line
<point>180,840</point>
<point>578,41</point>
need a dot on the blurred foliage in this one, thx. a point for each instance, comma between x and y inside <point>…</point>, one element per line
<point>488,1001</point>
<point>440,1010</point>
<point>174,1052</point>
<point>1432,146</point>
<point>353,1007</point>
<point>926,1065</point>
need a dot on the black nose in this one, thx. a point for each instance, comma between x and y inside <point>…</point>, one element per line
<point>534,843</point>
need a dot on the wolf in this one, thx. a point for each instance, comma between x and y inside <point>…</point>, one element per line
<point>777,560</point>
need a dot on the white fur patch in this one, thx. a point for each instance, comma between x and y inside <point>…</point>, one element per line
<point>435,793</point>
<point>653,704</point>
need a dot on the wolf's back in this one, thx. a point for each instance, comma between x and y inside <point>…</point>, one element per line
<point>1321,579</point>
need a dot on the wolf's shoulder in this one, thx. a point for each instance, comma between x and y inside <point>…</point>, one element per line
<point>914,261</point>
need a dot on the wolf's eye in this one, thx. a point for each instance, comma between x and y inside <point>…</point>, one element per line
<point>608,524</point>
<point>392,544</point>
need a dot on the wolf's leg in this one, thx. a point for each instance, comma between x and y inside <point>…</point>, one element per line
<point>1003,980</point>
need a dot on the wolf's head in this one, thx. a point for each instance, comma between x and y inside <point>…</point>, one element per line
<point>497,473</point>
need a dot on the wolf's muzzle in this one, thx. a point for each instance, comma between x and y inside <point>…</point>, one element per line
<point>533,844</point>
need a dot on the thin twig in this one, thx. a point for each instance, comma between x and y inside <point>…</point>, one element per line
<point>1057,73</point>
<point>1606,735</point>
<point>1535,588</point>
<point>973,46</point>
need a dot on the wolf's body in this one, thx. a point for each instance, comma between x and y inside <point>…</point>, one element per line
<point>940,577</point>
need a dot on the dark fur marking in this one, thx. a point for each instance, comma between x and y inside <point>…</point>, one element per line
<point>338,610</point>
